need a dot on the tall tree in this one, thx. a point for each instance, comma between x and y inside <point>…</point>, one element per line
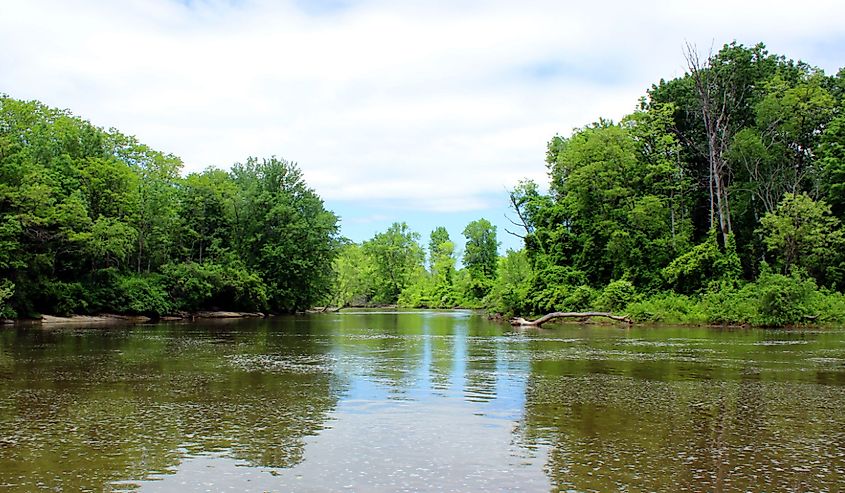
<point>481,255</point>
<point>397,257</point>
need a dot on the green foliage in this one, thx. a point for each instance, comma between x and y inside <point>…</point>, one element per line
<point>397,258</point>
<point>93,220</point>
<point>284,233</point>
<point>66,298</point>
<point>480,257</point>
<point>510,292</point>
<point>144,294</point>
<point>7,289</point>
<point>784,300</point>
<point>773,300</point>
<point>801,233</point>
<point>551,286</point>
<point>581,298</point>
<point>354,273</point>
<point>195,286</point>
<point>646,201</point>
<point>703,264</point>
<point>668,307</point>
<point>616,295</point>
<point>831,152</point>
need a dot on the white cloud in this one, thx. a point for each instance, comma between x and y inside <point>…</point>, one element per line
<point>433,104</point>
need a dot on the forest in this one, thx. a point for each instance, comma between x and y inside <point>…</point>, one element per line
<point>94,221</point>
<point>720,200</point>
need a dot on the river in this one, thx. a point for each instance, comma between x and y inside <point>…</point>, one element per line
<point>419,401</point>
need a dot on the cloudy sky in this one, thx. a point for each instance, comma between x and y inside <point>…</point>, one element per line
<point>419,111</point>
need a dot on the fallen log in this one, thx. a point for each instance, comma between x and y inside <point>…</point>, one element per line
<point>521,322</point>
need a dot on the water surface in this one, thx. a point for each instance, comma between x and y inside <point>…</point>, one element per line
<point>419,401</point>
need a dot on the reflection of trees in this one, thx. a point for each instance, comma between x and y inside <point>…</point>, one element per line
<point>617,418</point>
<point>81,409</point>
<point>386,348</point>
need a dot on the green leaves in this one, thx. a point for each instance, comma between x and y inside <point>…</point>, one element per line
<point>397,259</point>
<point>94,220</point>
<point>802,233</point>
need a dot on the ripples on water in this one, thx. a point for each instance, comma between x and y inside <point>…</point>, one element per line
<point>420,401</point>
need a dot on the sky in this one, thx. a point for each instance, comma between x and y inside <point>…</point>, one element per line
<point>417,111</point>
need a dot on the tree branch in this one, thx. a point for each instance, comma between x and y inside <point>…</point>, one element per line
<point>521,322</point>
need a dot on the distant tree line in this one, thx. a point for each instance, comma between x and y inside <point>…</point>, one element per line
<point>94,221</point>
<point>394,268</point>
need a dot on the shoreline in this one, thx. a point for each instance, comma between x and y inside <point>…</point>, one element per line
<point>117,319</point>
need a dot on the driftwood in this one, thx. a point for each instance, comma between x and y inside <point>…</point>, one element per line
<point>521,322</point>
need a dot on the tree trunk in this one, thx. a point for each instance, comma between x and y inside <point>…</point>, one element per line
<point>716,97</point>
<point>521,322</point>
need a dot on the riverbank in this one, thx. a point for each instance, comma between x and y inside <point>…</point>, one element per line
<point>112,318</point>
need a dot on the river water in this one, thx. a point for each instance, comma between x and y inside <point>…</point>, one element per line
<point>420,401</point>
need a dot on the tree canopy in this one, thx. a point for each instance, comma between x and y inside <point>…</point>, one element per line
<point>93,220</point>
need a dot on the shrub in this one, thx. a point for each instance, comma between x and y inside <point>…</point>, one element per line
<point>616,295</point>
<point>196,286</point>
<point>724,303</point>
<point>581,298</point>
<point>784,300</point>
<point>669,308</point>
<point>7,290</point>
<point>144,294</point>
<point>829,306</point>
<point>773,300</point>
<point>65,298</point>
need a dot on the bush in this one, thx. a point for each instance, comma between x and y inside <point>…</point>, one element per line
<point>7,290</point>
<point>551,286</point>
<point>726,304</point>
<point>196,286</point>
<point>64,298</point>
<point>143,295</point>
<point>668,308</point>
<point>581,298</point>
<point>784,300</point>
<point>616,295</point>
<point>773,300</point>
<point>829,307</point>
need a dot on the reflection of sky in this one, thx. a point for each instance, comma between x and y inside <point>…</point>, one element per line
<point>435,408</point>
<point>379,439</point>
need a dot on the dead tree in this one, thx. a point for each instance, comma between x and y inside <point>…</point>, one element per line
<point>716,91</point>
<point>521,322</point>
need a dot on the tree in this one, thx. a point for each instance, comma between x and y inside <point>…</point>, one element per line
<point>481,255</point>
<point>284,232</point>
<point>354,274</point>
<point>442,266</point>
<point>397,257</point>
<point>802,233</point>
<point>716,88</point>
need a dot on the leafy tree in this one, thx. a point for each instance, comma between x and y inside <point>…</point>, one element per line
<point>284,232</point>
<point>94,220</point>
<point>442,266</point>
<point>802,233</point>
<point>355,272</point>
<point>481,256</point>
<point>397,258</point>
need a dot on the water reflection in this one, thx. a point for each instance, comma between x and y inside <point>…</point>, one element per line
<point>419,401</point>
<point>689,410</point>
<point>81,409</point>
